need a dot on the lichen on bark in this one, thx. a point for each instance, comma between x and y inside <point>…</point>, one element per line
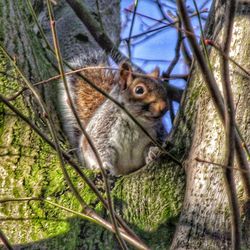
<point>149,200</point>
<point>205,218</point>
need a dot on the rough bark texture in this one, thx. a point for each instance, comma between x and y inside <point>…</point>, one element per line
<point>75,40</point>
<point>205,217</point>
<point>28,166</point>
<point>149,200</point>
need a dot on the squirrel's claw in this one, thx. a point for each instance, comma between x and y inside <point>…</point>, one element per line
<point>153,154</point>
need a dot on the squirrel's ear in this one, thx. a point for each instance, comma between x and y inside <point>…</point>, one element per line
<point>125,74</point>
<point>155,73</point>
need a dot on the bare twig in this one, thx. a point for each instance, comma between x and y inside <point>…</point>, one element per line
<point>131,29</point>
<point>171,90</point>
<point>174,76</point>
<point>75,166</point>
<point>187,57</point>
<point>218,164</point>
<point>18,93</point>
<point>94,28</point>
<point>145,16</point>
<point>173,64</point>
<point>5,241</point>
<point>164,15</point>
<point>227,57</point>
<point>172,24</point>
<point>177,53</point>
<point>214,92</point>
<point>95,218</point>
<point>202,35</point>
<point>60,63</point>
<point>230,130</point>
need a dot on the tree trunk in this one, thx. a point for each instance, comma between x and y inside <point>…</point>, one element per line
<point>150,199</point>
<point>205,219</point>
<point>28,166</point>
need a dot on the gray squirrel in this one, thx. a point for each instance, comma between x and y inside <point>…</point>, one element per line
<point>122,146</point>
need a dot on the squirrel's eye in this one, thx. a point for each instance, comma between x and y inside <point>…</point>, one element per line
<point>139,90</point>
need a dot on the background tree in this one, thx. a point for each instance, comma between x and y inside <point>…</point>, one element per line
<point>150,199</point>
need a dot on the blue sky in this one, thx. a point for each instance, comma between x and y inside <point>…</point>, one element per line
<point>157,47</point>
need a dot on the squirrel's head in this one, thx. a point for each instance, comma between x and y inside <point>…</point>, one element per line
<point>144,96</point>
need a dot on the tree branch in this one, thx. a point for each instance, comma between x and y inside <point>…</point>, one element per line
<point>93,218</point>
<point>75,166</point>
<point>230,130</point>
<point>214,92</point>
<point>94,28</point>
<point>5,241</point>
<point>104,41</point>
<point>61,69</point>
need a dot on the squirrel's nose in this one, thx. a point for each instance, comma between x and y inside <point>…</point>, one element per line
<point>159,107</point>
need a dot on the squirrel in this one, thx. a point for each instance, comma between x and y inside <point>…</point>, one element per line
<point>122,146</point>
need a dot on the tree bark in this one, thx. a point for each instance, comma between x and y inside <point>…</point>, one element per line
<point>205,219</point>
<point>149,200</point>
<point>29,167</point>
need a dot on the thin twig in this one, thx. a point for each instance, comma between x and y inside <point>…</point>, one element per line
<point>46,200</point>
<point>131,29</point>
<point>218,48</point>
<point>39,26</point>
<point>184,48</point>
<point>230,130</point>
<point>172,24</point>
<point>5,241</point>
<point>82,69</point>
<point>93,218</point>
<point>160,7</point>
<point>18,93</point>
<point>214,92</point>
<point>170,89</point>
<point>60,64</point>
<point>177,53</point>
<point>173,64</point>
<point>218,164</point>
<point>75,166</point>
<point>148,17</point>
<point>186,55</point>
<point>202,35</point>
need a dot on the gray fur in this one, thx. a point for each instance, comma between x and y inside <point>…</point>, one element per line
<point>121,144</point>
<point>69,122</point>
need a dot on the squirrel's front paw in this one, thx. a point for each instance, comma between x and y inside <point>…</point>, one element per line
<point>153,154</point>
<point>109,168</point>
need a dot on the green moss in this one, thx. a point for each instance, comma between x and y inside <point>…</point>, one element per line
<point>150,202</point>
<point>31,169</point>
